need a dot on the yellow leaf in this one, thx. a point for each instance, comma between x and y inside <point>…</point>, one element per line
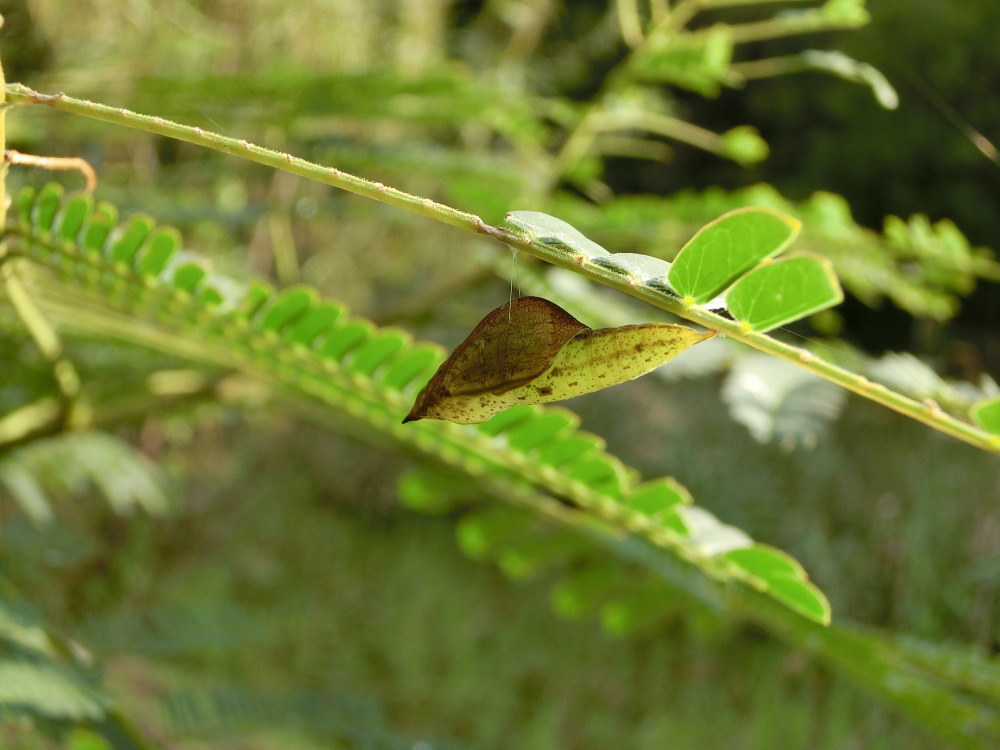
<point>531,351</point>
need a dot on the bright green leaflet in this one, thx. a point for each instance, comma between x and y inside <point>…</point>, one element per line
<point>775,294</point>
<point>987,414</point>
<point>728,247</point>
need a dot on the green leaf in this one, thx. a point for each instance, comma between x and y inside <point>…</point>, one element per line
<point>210,295</point>
<point>342,339</point>
<point>658,497</point>
<point>410,367</point>
<point>544,429</point>
<point>318,319</point>
<point>778,293</point>
<point>727,248</point>
<point>802,597</point>
<point>158,251</point>
<point>127,243</point>
<point>254,298</point>
<point>765,562</point>
<point>187,277</point>
<point>783,579</point>
<point>697,61</point>
<point>102,221</point>
<point>26,206</point>
<point>602,473</point>
<point>507,419</point>
<point>46,206</point>
<point>561,452</point>
<point>73,215</point>
<point>674,521</point>
<point>376,350</point>
<point>287,307</point>
<point>552,231</point>
<point>49,690</point>
<point>986,414</point>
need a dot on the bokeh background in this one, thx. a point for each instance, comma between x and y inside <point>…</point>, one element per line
<point>287,596</point>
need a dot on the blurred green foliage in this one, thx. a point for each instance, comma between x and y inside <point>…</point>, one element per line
<point>284,599</point>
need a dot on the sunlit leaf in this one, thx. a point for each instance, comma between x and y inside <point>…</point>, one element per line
<point>783,579</point>
<point>766,562</point>
<point>802,597</point>
<point>987,414</point>
<point>778,293</point>
<point>658,496</point>
<point>727,248</point>
<point>287,307</point>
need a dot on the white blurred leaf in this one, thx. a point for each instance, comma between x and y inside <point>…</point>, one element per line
<point>776,400</point>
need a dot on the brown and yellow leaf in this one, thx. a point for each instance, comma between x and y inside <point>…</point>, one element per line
<point>531,351</point>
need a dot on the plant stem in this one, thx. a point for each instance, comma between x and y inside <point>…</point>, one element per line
<point>3,147</point>
<point>928,413</point>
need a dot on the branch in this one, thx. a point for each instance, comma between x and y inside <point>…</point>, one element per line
<point>928,413</point>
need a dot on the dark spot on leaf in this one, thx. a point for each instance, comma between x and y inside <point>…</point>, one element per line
<point>639,347</point>
<point>545,390</point>
<point>556,372</point>
<point>574,384</point>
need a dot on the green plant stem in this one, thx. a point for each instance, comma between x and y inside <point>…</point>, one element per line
<point>3,147</point>
<point>770,67</point>
<point>928,413</point>
<point>629,22</point>
<point>669,127</point>
<point>46,341</point>
<point>777,28</point>
<point>686,10</point>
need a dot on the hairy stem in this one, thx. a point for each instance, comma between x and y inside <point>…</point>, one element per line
<point>928,413</point>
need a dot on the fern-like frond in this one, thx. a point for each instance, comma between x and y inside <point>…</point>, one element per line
<point>341,717</point>
<point>51,682</point>
<point>132,282</point>
<point>67,464</point>
<point>778,401</point>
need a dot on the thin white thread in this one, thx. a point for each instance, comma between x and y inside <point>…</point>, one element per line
<point>513,276</point>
